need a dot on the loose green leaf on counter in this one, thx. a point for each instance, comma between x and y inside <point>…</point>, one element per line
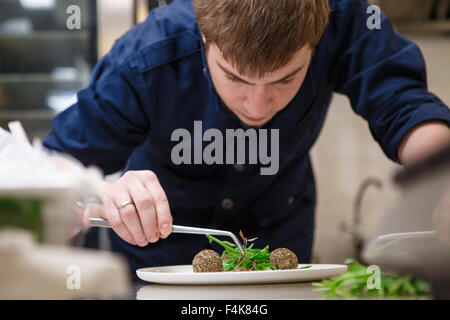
<point>354,284</point>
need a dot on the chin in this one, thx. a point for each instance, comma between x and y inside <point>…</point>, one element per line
<point>246,123</point>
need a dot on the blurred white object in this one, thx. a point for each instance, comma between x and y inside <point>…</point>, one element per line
<point>29,271</point>
<point>25,166</point>
<point>51,270</point>
<point>405,239</point>
<point>59,101</point>
<point>17,26</point>
<point>37,4</point>
<point>29,172</point>
<point>65,74</point>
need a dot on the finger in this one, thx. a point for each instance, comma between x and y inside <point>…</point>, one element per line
<point>146,210</point>
<point>76,226</point>
<point>441,223</point>
<point>74,230</point>
<point>91,211</point>
<point>445,214</point>
<point>163,214</point>
<point>435,218</point>
<point>110,212</point>
<point>130,218</point>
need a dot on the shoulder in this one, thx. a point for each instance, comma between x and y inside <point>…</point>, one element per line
<point>169,33</point>
<point>346,12</point>
<point>348,21</point>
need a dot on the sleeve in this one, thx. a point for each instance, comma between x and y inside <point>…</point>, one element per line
<point>384,76</point>
<point>108,121</point>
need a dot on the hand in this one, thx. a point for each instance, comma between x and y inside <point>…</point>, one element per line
<point>146,215</point>
<point>441,219</point>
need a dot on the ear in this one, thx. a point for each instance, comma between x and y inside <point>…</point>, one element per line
<point>203,38</point>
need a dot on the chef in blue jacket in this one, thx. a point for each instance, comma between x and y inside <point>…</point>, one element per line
<point>225,64</point>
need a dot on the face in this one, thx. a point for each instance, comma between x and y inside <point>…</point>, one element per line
<point>257,101</point>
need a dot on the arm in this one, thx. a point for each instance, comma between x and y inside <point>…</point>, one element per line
<point>107,122</point>
<point>384,76</point>
<point>103,128</point>
<point>422,141</point>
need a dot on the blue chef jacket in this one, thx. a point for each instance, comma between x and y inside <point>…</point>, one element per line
<point>156,80</point>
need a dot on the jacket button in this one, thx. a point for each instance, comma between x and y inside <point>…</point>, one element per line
<point>227,203</point>
<point>239,167</point>
<point>291,200</point>
<point>204,72</point>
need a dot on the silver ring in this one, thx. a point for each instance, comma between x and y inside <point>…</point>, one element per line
<point>124,204</point>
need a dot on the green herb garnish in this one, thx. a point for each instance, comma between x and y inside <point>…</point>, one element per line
<point>354,284</point>
<point>253,259</point>
<point>305,267</point>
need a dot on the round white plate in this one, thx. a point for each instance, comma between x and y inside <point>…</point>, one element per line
<point>183,274</point>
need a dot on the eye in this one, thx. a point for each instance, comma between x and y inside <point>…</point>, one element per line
<point>233,79</point>
<point>286,82</point>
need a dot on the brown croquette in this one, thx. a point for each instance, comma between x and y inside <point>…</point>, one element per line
<point>283,259</point>
<point>207,261</point>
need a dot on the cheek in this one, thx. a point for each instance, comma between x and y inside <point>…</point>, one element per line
<point>286,94</point>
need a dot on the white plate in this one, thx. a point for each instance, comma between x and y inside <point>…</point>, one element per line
<point>183,274</point>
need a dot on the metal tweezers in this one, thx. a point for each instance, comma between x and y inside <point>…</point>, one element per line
<point>97,222</point>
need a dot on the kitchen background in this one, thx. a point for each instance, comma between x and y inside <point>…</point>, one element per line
<point>43,65</point>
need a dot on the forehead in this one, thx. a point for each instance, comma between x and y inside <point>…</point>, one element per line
<point>299,59</point>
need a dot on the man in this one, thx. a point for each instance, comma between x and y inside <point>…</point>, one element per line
<point>239,64</point>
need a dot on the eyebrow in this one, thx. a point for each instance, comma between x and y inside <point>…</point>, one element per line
<point>289,75</point>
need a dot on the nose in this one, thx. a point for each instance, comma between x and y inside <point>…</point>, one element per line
<point>258,101</point>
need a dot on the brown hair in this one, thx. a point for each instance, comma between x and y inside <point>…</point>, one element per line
<point>260,36</point>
